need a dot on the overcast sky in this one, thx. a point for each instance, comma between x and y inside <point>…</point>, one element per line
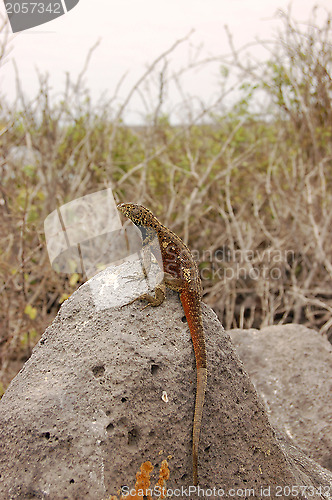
<point>133,33</point>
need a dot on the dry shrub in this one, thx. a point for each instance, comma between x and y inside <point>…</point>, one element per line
<point>245,178</point>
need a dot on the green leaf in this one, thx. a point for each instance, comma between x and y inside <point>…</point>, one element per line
<point>30,170</point>
<point>74,279</point>
<point>30,311</point>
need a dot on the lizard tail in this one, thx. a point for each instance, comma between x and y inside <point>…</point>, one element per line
<point>200,394</point>
<point>191,302</point>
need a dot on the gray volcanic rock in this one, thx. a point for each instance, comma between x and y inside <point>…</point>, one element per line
<point>291,368</point>
<point>108,388</point>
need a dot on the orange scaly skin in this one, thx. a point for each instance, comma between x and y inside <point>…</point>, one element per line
<point>180,273</point>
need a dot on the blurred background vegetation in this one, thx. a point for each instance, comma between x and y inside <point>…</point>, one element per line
<point>245,180</point>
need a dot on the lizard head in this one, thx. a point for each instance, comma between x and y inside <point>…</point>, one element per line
<point>138,214</point>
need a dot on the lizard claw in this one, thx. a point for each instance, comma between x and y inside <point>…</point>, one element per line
<point>146,305</point>
<point>134,277</point>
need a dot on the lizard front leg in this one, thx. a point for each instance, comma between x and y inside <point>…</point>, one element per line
<point>160,289</point>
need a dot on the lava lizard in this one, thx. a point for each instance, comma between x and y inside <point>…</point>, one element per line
<point>180,273</point>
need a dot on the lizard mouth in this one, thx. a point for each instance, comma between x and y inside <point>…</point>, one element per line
<point>124,209</point>
<point>134,212</point>
<point>130,211</point>
<point>121,206</point>
<point>139,215</point>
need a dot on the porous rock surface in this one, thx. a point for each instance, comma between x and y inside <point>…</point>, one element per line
<point>108,388</point>
<point>291,368</point>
